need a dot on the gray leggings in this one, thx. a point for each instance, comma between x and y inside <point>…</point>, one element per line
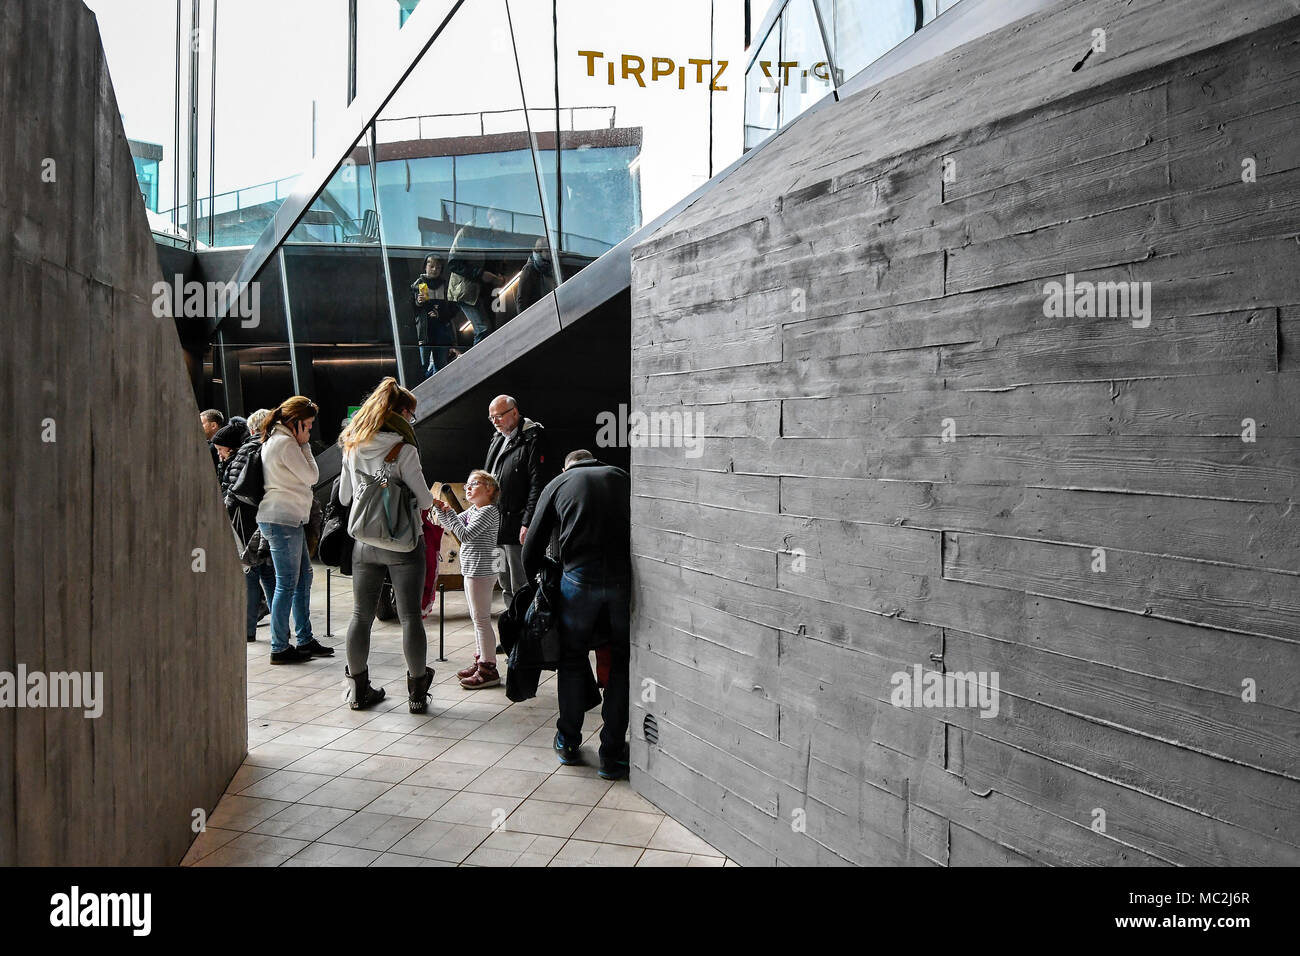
<point>407,572</point>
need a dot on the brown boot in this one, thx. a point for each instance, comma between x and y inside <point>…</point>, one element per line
<point>468,671</point>
<point>485,676</point>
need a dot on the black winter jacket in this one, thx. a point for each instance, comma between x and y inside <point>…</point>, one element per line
<point>590,506</point>
<point>522,473</point>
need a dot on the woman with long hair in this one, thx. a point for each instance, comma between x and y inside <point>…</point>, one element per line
<point>289,473</point>
<point>383,422</point>
<point>477,528</point>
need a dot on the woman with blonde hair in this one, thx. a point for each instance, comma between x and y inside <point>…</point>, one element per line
<point>477,528</point>
<point>379,445</point>
<point>288,475</point>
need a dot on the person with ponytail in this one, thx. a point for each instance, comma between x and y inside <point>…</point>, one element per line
<point>289,473</point>
<point>383,422</point>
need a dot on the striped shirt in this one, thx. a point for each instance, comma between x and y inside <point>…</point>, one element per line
<point>477,530</point>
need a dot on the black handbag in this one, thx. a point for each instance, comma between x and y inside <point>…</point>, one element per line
<point>250,486</point>
<point>335,547</point>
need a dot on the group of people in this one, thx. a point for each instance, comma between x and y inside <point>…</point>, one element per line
<point>517,512</point>
<point>466,286</point>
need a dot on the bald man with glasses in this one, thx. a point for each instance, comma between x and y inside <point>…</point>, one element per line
<point>517,459</point>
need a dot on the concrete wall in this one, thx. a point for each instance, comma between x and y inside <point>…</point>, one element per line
<point>877,277</point>
<point>109,486</point>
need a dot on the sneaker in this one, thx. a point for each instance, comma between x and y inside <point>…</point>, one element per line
<point>468,672</point>
<point>252,638</point>
<point>615,769</point>
<point>315,648</point>
<point>485,675</point>
<point>290,655</point>
<point>568,755</point>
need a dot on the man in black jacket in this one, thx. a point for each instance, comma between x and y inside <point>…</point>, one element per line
<point>589,506</point>
<point>517,459</point>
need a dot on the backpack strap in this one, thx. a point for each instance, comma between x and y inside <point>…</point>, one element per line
<point>394,452</point>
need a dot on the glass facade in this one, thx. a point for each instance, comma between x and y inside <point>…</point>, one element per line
<point>815,46</point>
<point>239,93</point>
<point>531,137</point>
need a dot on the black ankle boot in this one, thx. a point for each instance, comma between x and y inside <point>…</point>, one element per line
<point>418,691</point>
<point>363,695</point>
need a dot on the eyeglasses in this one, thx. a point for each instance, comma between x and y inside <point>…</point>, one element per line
<point>497,417</point>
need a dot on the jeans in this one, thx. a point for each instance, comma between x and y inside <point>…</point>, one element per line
<point>479,319</point>
<point>293,577</point>
<point>406,570</point>
<point>512,577</point>
<point>258,579</point>
<point>594,606</point>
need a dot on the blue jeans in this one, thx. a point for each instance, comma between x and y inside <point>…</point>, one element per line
<point>258,579</point>
<point>594,606</point>
<point>479,319</point>
<point>292,582</point>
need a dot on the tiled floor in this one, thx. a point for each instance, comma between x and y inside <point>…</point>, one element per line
<point>474,781</point>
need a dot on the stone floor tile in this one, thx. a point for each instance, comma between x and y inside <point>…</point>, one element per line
<point>671,835</point>
<point>508,783</point>
<point>331,762</point>
<point>480,753</point>
<point>347,793</point>
<point>370,831</point>
<point>547,818</point>
<point>387,768</point>
<point>418,747</point>
<point>209,840</point>
<point>441,841</point>
<point>479,809</point>
<point>583,853</point>
<point>325,854</point>
<point>572,788</point>
<point>626,827</point>
<point>530,758</point>
<point>410,801</point>
<point>275,755</point>
<point>287,785</point>
<point>621,796</point>
<point>301,821</point>
<point>243,813</point>
<point>444,775</point>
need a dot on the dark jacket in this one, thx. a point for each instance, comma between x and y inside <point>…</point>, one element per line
<point>434,314</point>
<point>522,473</point>
<point>243,518</point>
<point>590,505</point>
<point>536,279</point>
<point>233,467</point>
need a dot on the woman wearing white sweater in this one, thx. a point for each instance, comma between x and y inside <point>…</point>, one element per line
<point>477,528</point>
<point>289,472</point>
<point>381,424</point>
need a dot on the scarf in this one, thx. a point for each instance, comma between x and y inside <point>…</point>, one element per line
<point>396,423</point>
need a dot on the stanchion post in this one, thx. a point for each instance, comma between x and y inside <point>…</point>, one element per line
<point>329,632</point>
<point>442,618</point>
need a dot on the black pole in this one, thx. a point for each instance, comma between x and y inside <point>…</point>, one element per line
<point>442,617</point>
<point>328,631</point>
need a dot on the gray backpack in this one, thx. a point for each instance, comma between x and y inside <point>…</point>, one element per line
<point>384,512</point>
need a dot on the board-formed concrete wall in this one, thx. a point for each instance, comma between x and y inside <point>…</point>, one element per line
<point>918,462</point>
<point>108,489</point>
